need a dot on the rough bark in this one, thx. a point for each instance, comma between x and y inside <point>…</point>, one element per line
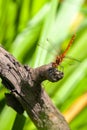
<point>27,94</point>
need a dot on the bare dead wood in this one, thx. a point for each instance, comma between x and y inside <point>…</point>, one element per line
<point>27,94</point>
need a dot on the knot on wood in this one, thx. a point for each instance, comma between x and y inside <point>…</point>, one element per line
<point>54,74</point>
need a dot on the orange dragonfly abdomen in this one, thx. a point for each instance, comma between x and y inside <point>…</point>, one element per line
<point>60,58</point>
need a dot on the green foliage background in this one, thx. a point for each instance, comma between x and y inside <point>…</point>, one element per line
<point>25,26</point>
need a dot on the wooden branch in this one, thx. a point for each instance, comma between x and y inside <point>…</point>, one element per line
<point>27,94</point>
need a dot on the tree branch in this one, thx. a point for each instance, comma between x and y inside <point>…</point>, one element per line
<point>27,94</point>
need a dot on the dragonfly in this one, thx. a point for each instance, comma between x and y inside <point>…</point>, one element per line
<point>60,57</point>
